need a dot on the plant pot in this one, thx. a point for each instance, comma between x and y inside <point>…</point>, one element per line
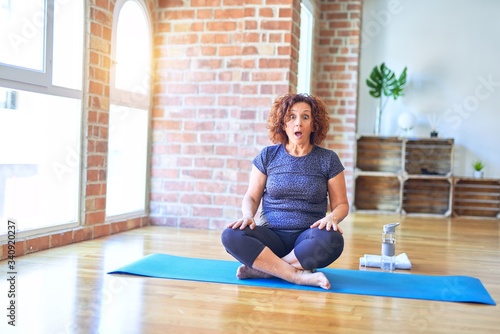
<point>478,174</point>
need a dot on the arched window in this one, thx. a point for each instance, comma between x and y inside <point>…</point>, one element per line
<point>129,111</point>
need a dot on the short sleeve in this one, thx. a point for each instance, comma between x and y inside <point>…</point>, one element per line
<point>258,162</point>
<point>262,160</point>
<point>335,165</point>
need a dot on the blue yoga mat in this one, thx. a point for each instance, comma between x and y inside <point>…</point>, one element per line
<point>442,288</point>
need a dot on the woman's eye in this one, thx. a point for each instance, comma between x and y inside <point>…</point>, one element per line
<point>306,116</point>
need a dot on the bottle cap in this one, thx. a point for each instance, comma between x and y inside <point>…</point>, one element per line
<point>390,227</point>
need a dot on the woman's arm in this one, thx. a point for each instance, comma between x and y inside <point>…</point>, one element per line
<point>339,205</point>
<point>251,200</point>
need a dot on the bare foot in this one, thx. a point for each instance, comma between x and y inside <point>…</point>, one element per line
<point>305,277</point>
<point>245,272</point>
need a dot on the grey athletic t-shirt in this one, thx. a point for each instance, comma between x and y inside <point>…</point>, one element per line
<point>297,187</point>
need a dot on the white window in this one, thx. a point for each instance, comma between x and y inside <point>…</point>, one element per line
<point>129,112</point>
<point>25,31</point>
<point>305,47</point>
<point>40,113</point>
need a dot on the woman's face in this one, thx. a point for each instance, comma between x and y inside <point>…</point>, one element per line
<point>299,126</point>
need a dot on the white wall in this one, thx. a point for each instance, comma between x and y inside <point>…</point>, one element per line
<point>452,51</point>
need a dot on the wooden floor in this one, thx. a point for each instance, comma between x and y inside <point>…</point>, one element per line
<point>67,290</point>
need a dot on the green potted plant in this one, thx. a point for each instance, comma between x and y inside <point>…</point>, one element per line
<point>478,166</point>
<point>383,85</point>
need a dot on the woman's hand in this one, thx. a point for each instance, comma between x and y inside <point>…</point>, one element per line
<point>329,223</point>
<point>242,223</point>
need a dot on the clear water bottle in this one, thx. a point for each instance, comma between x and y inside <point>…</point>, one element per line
<point>388,259</point>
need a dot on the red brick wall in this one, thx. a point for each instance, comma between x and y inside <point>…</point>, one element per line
<point>96,95</point>
<point>337,75</point>
<point>219,66</point>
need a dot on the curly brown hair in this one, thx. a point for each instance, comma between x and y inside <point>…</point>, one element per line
<point>280,114</point>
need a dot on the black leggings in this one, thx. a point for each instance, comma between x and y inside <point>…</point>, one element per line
<point>314,248</point>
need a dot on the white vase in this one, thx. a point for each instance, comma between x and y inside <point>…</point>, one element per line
<point>378,120</point>
<point>478,174</point>
<point>406,122</point>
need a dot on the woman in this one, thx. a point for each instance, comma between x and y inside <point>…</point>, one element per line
<point>294,178</point>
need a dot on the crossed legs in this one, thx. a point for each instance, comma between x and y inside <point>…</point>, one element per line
<point>264,254</point>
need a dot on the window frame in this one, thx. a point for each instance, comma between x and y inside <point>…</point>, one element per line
<point>25,79</point>
<point>43,77</point>
<point>15,77</point>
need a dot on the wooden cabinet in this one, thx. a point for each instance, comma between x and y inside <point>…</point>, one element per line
<point>378,193</point>
<point>476,198</point>
<point>379,154</point>
<point>427,196</point>
<point>403,175</point>
<point>428,157</point>
<point>415,177</point>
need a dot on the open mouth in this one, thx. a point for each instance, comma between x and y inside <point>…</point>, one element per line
<point>298,134</point>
